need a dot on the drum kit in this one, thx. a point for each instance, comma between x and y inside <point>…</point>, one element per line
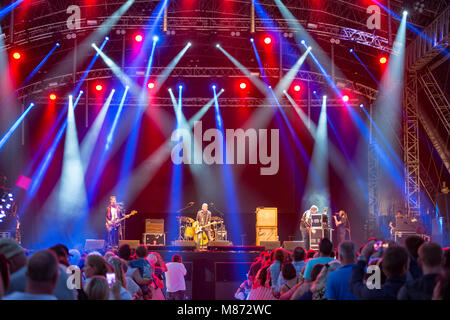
<point>187,229</point>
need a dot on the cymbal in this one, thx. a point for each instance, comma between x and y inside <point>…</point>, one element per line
<point>216,219</point>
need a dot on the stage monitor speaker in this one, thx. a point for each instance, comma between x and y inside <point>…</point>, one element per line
<point>271,245</point>
<point>219,243</point>
<point>132,243</point>
<point>291,245</point>
<point>184,243</point>
<point>94,244</point>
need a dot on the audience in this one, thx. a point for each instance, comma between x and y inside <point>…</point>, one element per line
<point>41,278</point>
<point>430,261</point>
<point>14,254</point>
<point>299,255</point>
<point>303,290</point>
<point>176,286</point>
<point>319,286</point>
<point>325,251</point>
<point>442,288</point>
<point>4,275</point>
<point>98,289</point>
<point>412,244</point>
<point>338,283</point>
<point>394,265</point>
<point>289,275</point>
<point>275,270</point>
<point>446,260</point>
<point>145,276</point>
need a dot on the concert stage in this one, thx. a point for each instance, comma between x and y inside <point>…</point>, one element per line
<point>212,275</point>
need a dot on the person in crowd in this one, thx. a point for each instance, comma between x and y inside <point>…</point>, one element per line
<point>289,275</point>
<point>132,286</point>
<point>145,278</point>
<point>132,274</point>
<point>325,250</point>
<point>62,292</point>
<point>442,289</point>
<point>394,264</point>
<point>175,283</point>
<point>74,257</point>
<point>262,289</point>
<point>303,290</point>
<point>275,270</point>
<point>338,282</point>
<point>319,286</point>
<point>159,277</point>
<point>310,254</point>
<point>446,260</point>
<point>14,254</point>
<point>4,275</point>
<point>41,278</point>
<point>254,268</point>
<point>430,260</point>
<point>299,256</point>
<point>108,255</point>
<point>98,289</point>
<point>412,244</point>
<point>97,266</point>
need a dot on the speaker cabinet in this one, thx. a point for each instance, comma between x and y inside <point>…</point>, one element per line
<point>132,243</point>
<point>271,245</point>
<point>291,245</point>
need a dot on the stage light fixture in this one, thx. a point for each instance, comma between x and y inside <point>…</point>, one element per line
<point>267,40</point>
<point>151,85</point>
<point>57,44</point>
<point>383,60</point>
<point>138,38</point>
<point>252,40</point>
<point>189,44</point>
<point>107,38</point>
<point>214,87</point>
<point>52,96</point>
<point>155,38</point>
<point>297,88</point>
<point>345,98</point>
<point>302,42</point>
<point>242,85</point>
<point>99,87</point>
<point>17,55</point>
<point>180,87</point>
<point>405,12</point>
<point>217,45</point>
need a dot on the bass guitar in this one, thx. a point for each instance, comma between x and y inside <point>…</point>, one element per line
<point>199,229</point>
<point>113,223</point>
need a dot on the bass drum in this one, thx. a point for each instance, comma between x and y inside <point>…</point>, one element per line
<point>189,233</point>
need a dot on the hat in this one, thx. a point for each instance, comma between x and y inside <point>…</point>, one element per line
<point>9,248</point>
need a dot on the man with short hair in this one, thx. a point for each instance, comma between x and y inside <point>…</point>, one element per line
<point>14,253</point>
<point>299,255</point>
<point>430,259</point>
<point>41,275</point>
<point>395,267</point>
<point>305,224</point>
<point>176,285</point>
<point>325,251</point>
<point>338,282</point>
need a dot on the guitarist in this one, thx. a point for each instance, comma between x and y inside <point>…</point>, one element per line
<point>305,224</point>
<point>113,213</point>
<point>203,219</point>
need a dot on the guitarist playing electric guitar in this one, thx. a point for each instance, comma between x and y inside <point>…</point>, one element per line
<point>305,224</point>
<point>203,224</point>
<point>114,217</point>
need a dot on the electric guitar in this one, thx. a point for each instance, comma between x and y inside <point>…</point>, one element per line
<point>113,223</point>
<point>199,229</point>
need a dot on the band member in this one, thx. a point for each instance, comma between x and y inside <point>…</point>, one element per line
<point>342,226</point>
<point>305,224</point>
<point>398,215</point>
<point>203,221</point>
<point>113,213</point>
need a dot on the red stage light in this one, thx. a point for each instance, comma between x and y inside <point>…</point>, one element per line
<point>242,85</point>
<point>345,98</point>
<point>297,88</point>
<point>151,85</point>
<point>52,96</point>
<point>139,38</point>
<point>383,60</point>
<point>99,87</point>
<point>17,55</point>
<point>267,40</point>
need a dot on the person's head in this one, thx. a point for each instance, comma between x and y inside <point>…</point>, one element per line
<point>97,288</point>
<point>14,253</point>
<point>399,214</point>
<point>310,254</point>
<point>395,261</point>
<point>412,244</point>
<point>62,253</point>
<point>313,209</point>
<point>152,259</point>
<point>279,255</point>
<point>325,247</point>
<point>108,255</point>
<point>315,271</point>
<point>299,254</point>
<point>95,265</point>
<point>125,251</point>
<point>262,276</point>
<point>4,275</point>
<point>141,252</point>
<point>347,252</point>
<point>442,288</point>
<point>288,271</point>
<point>430,257</point>
<point>112,200</point>
<point>117,264</point>
<point>74,257</point>
<point>176,258</point>
<point>42,272</point>
<point>204,207</point>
